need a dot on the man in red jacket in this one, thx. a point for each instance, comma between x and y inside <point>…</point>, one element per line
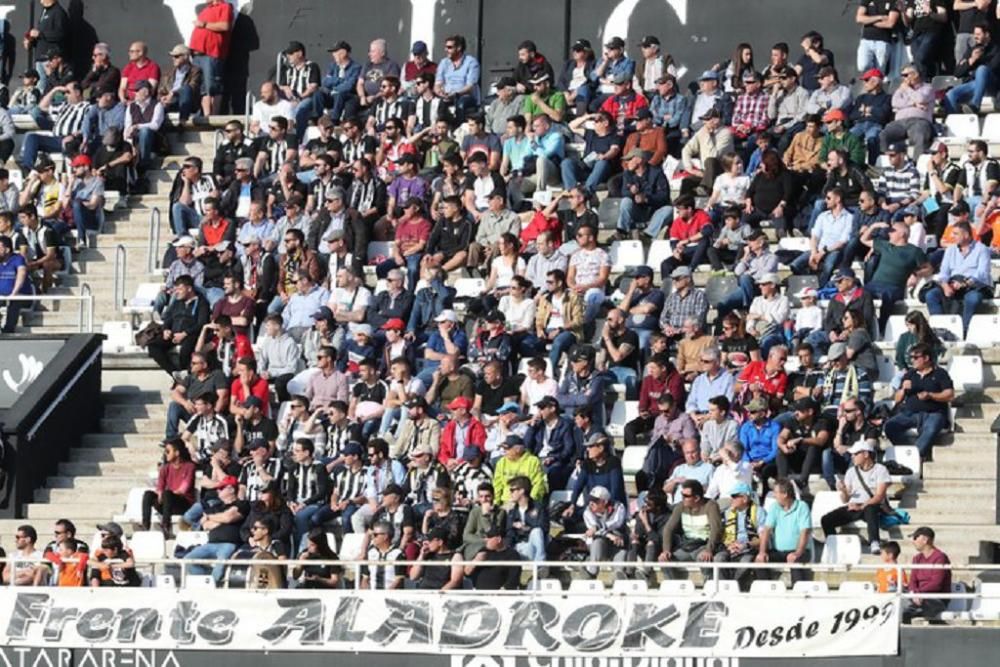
<point>461,432</point>
<point>663,378</point>
<point>927,582</point>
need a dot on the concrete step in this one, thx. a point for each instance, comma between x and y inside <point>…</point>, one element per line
<point>136,410</point>
<point>144,442</point>
<point>110,495</point>
<point>85,484</point>
<point>133,381</point>
<point>96,469</point>
<point>132,425</point>
<point>126,455</point>
<point>82,512</point>
<point>956,470</point>
<point>134,397</point>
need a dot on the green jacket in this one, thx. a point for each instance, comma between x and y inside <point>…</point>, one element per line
<point>851,143</point>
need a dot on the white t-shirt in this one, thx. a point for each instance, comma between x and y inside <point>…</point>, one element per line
<point>263,113</point>
<point>505,272</point>
<point>532,392</point>
<point>731,189</point>
<point>588,264</point>
<point>556,320</point>
<point>877,474</point>
<point>519,315</point>
<point>808,317</point>
<point>346,301</point>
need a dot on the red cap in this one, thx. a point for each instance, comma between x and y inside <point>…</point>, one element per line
<point>834,114</point>
<point>81,161</point>
<point>872,73</point>
<point>228,480</point>
<point>394,323</point>
<point>460,402</point>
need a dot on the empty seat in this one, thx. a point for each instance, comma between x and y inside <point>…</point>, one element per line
<point>824,503</point>
<point>959,608</point>
<point>607,212</point>
<point>966,372</point>
<point>147,545</point>
<point>986,606</point>
<point>586,586</point>
<point>546,586</point>
<point>794,244</point>
<point>767,587</point>
<point>856,587</point>
<point>991,127</point>
<point>632,459</point>
<point>622,413</point>
<point>952,324</point>
<point>629,586</point>
<point>904,455</point>
<point>984,330</point>
<point>810,587</point>
<point>841,550</point>
<point>350,549</point>
<point>659,250</point>
<point>721,587</point>
<point>626,255</point>
<point>165,581</point>
<point>145,296</point>
<point>894,328</point>
<point>469,288</point>
<point>133,507</point>
<point>962,126</point>
<point>718,288</point>
<point>886,367</point>
<point>199,581</point>
<point>118,337</point>
<point>677,587</point>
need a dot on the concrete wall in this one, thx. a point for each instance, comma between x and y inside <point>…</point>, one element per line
<point>697,32</point>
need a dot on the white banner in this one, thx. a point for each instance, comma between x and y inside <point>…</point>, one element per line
<point>525,624</point>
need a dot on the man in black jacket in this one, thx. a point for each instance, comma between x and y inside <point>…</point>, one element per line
<point>977,69</point>
<point>182,321</point>
<point>308,488</point>
<point>235,146</point>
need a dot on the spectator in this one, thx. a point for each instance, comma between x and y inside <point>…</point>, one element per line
<point>976,68</point>
<point>223,525</point>
<point>338,91</point>
<point>621,352</point>
<point>759,437</point>
<point>786,107</point>
<point>457,78</point>
<point>606,530</point>
<point>771,195</point>
<point>852,428</point>
<point>554,439</point>
<point>924,396</point>
<point>740,540</point>
<point>899,266</point>
<point>801,443</point>
<point>828,239</point>
<point>188,194</point>
<point>926,582</point>
<point>14,281</point>
<point>435,549</point>
<point>139,68</point>
<point>709,143</point>
<point>913,105</point>
<point>174,492</point>
<point>646,196</point>
<point>112,564</point>
<point>575,78</point>
<point>863,489</point>
<point>388,576</point>
<point>182,87</point>
<point>602,147</point>
<point>837,137</point>
<point>694,530</point>
<point>964,276</point>
<point>669,108</point>
<point>183,319</point>
<point>144,117</point>
<point>527,529</point>
<point>877,21</point>
<point>707,98</point>
<point>830,96</point>
<point>786,532</point>
<point>384,494</point>
<point>494,577</point>
<point>522,469</point>
<point>713,381</point>
<point>583,385</point>
<point>614,64</point>
<point>814,57</point>
<point>694,467</point>
<point>66,124</point>
<point>844,380</point>
<point>543,100</point>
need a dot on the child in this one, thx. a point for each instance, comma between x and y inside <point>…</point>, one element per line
<point>68,573</point>
<point>887,579</point>
<point>808,318</point>
<point>658,344</point>
<point>728,247</point>
<point>356,348</point>
<point>27,96</point>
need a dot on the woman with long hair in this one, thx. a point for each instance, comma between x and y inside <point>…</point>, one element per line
<point>742,61</point>
<point>918,330</point>
<point>318,576</point>
<point>730,187</point>
<point>771,195</point>
<point>271,504</point>
<point>860,348</point>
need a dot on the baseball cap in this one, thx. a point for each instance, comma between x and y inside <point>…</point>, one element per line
<point>580,45</point>
<point>340,45</point>
<point>709,75</point>
<point>843,274</point>
<point>756,405</point>
<point>599,493</point>
<point>642,272</point>
<point>620,78</point>
<point>419,48</point>
<point>81,161</point>
<point>768,278</point>
<point>512,440</point>
<point>740,489</point>
<point>508,408</point>
<point>324,313</point>
<point>352,448</point>
<point>805,403</point>
<point>836,351</point>
<point>112,527</point>
<point>873,73</point>
<point>365,329</point>
<point>925,531</point>
<point>896,147</point>
<point>596,440</point>
<point>541,78</point>
<point>615,43</point>
<point>228,480</point>
<point>180,50</point>
<point>649,40</point>
<point>547,402</point>
<point>582,353</point>
<point>495,316</point>
<point>294,46</point>
<point>643,114</point>
<point>460,402</point>
<point>447,315</point>
<point>252,402</point>
<point>185,241</point>
<point>834,114</point>
<point>861,446</point>
<point>807,293</point>
<point>750,75</point>
<point>394,324</point>
<point>472,453</point>
<point>417,402</point>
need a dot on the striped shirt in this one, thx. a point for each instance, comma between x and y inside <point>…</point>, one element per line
<point>426,111</point>
<point>899,184</point>
<point>466,479</point>
<point>355,150</point>
<point>276,151</point>
<point>384,110</point>
<point>250,477</point>
<point>302,481</point>
<point>362,195</point>
<point>69,119</point>
<point>348,483</point>
<point>201,191</point>
<point>950,175</point>
<point>380,574</point>
<point>977,176</point>
<point>299,78</point>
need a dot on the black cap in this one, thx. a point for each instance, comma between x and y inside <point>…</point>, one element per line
<point>580,45</point>
<point>252,402</point>
<point>642,272</point>
<point>496,530</point>
<point>649,40</point>
<point>352,448</point>
<point>394,489</point>
<point>582,353</point>
<point>615,43</point>
<point>340,45</point>
<point>547,402</point>
<point>643,114</point>
<point>294,46</point>
<point>512,440</point>
<point>805,403</point>
<point>495,316</point>
<point>417,402</point>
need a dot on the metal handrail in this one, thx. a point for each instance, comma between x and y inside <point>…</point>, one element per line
<point>86,301</point>
<point>153,241</point>
<point>121,258</point>
<point>248,110</point>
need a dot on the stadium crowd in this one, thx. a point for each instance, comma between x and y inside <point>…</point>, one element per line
<point>440,423</point>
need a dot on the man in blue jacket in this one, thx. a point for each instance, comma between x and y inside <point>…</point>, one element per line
<point>645,192</point>
<point>870,112</point>
<point>428,303</point>
<point>759,437</point>
<point>583,386</point>
<point>555,439</point>
<point>341,79</point>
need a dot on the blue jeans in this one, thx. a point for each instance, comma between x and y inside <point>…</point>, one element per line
<point>85,219</point>
<point>338,103</point>
<point>192,516</point>
<point>971,92</point>
<point>306,110</point>
<point>575,171</point>
<point>183,218</point>
<point>868,131</point>
<point>146,142</point>
<point>834,464</point>
<point>935,299</point>
<point>889,294</point>
<point>594,299</point>
<point>628,377</point>
<point>738,299</point>
<point>464,105</point>
<point>534,548</point>
<point>212,550</point>
<point>800,265</point>
<point>302,520</point>
<point>211,71</point>
<point>185,103</point>
<point>561,344</point>
<point>631,214</point>
<point>928,425</point>
<point>35,143</point>
<point>663,216</point>
<point>923,48</point>
<point>412,269</point>
<point>873,53</point>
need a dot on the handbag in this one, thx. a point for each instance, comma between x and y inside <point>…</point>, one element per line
<point>148,334</point>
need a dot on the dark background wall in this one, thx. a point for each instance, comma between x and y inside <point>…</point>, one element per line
<point>708,34</point>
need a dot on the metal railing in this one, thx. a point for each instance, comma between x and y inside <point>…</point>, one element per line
<point>86,299</point>
<point>153,241</point>
<point>121,259</point>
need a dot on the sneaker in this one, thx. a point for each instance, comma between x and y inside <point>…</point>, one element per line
<point>968,108</point>
<point>875,548</point>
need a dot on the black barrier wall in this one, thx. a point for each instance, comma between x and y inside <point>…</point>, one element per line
<point>698,33</point>
<point>50,416</point>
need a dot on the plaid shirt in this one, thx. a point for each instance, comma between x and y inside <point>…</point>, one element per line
<point>751,110</point>
<point>676,309</point>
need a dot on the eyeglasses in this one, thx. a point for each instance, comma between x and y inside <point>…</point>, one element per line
<point>687,495</point>
<point>706,361</point>
<point>449,46</point>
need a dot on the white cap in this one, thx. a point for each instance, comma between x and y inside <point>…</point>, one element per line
<point>447,316</point>
<point>861,446</point>
<point>185,241</point>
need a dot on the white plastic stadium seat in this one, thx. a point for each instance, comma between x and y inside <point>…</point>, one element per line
<point>622,413</point>
<point>118,338</point>
<point>886,368</point>
<point>145,295</point>
<point>810,587</point>
<point>133,507</point>
<point>165,581</point>
<point>626,255</point>
<point>721,587</point>
<point>546,586</point>
<point>633,458</point>
<point>991,127</point>
<point>187,539</point>
<point>199,581</point>
<point>659,250</point>
<point>469,288</point>
<point>768,587</point>
<point>677,587</point>
<point>966,372</point>
<point>894,328</point>
<point>147,545</point>
<point>586,586</point>
<point>824,503</point>
<point>794,243</point>
<point>904,455</point>
<point>629,586</point>
<point>958,608</point>
<point>350,549</point>
<point>950,323</point>
<point>961,127</point>
<point>986,607</point>
<point>984,330</point>
<point>841,550</point>
<point>856,588</point>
